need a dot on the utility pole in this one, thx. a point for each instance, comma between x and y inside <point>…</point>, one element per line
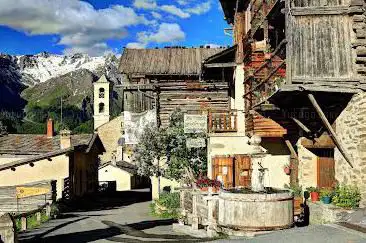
<point>61,126</point>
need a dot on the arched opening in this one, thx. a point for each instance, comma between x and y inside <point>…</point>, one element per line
<point>101,108</point>
<point>101,93</point>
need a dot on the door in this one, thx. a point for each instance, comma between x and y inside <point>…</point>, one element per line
<point>222,170</point>
<point>243,171</point>
<point>326,172</point>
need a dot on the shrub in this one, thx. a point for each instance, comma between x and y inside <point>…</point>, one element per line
<point>296,190</point>
<point>167,206</point>
<point>170,200</point>
<point>347,196</point>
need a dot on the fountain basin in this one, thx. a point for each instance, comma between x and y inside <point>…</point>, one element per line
<point>248,211</point>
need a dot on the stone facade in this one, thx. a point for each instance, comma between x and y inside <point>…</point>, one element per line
<point>7,229</point>
<point>110,133</point>
<point>351,130</point>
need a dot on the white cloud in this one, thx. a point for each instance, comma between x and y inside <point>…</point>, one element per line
<point>136,45</point>
<point>81,27</point>
<point>172,9</point>
<point>183,2</point>
<point>200,8</point>
<point>156,15</point>
<point>145,4</point>
<point>167,33</point>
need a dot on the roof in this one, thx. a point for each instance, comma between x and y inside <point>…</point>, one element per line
<point>229,8</point>
<point>123,165</point>
<point>103,79</point>
<point>165,61</point>
<point>36,144</point>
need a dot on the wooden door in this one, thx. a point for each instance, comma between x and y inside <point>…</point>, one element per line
<point>243,171</point>
<point>222,169</point>
<point>325,172</point>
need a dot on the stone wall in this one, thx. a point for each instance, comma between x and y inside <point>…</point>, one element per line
<point>109,133</point>
<point>327,213</point>
<point>7,231</point>
<point>351,130</point>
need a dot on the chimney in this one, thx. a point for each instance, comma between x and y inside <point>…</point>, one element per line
<point>49,128</point>
<point>65,139</point>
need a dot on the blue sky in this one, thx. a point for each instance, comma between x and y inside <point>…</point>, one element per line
<point>99,26</point>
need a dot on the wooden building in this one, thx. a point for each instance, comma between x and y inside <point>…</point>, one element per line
<point>171,78</point>
<point>304,65</point>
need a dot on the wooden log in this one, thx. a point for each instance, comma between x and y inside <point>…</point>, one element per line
<point>329,128</point>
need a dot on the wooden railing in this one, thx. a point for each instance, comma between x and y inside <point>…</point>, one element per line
<point>259,10</point>
<point>265,74</point>
<point>225,121</point>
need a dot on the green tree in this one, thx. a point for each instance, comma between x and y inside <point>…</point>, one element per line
<point>181,158</point>
<point>156,144</point>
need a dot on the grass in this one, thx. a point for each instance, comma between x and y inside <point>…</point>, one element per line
<point>32,221</point>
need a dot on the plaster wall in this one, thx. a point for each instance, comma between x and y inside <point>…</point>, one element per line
<point>121,177</point>
<point>307,167</point>
<point>57,169</point>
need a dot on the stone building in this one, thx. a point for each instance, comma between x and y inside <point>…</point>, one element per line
<point>70,160</point>
<point>304,69</point>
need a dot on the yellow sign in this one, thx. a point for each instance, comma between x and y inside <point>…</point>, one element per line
<point>31,191</point>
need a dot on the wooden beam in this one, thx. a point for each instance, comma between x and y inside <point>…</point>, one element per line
<point>301,125</point>
<point>220,65</point>
<point>292,149</point>
<point>329,128</point>
<point>326,10</point>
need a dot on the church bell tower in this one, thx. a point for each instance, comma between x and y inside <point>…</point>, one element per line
<point>102,95</point>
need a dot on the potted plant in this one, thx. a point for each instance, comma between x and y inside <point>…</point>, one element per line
<point>298,199</point>
<point>314,193</point>
<point>204,183</point>
<point>287,169</point>
<point>326,195</point>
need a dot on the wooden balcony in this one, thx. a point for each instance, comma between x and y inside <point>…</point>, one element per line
<point>260,9</point>
<point>223,121</point>
<point>265,73</point>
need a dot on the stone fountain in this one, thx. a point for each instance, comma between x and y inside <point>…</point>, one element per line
<point>257,208</point>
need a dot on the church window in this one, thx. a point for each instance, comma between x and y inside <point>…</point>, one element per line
<point>101,93</point>
<point>101,108</point>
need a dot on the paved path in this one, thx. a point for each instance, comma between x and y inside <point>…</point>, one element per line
<point>124,219</point>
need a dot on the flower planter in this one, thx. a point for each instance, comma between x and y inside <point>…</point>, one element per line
<point>314,196</point>
<point>326,200</point>
<point>297,204</point>
<point>287,170</point>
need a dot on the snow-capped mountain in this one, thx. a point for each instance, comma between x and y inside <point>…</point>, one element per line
<point>39,68</point>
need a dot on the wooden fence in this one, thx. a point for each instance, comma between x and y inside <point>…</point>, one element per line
<point>25,198</point>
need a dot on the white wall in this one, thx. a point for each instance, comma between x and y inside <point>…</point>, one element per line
<point>163,183</point>
<point>275,175</point>
<point>57,169</point>
<point>112,173</point>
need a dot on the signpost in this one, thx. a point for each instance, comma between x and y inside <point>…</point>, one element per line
<point>23,192</point>
<point>196,143</point>
<point>195,123</point>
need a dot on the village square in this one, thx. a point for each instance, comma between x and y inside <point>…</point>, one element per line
<point>262,140</point>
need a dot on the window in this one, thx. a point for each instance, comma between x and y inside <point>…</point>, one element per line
<point>101,93</point>
<point>101,108</point>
